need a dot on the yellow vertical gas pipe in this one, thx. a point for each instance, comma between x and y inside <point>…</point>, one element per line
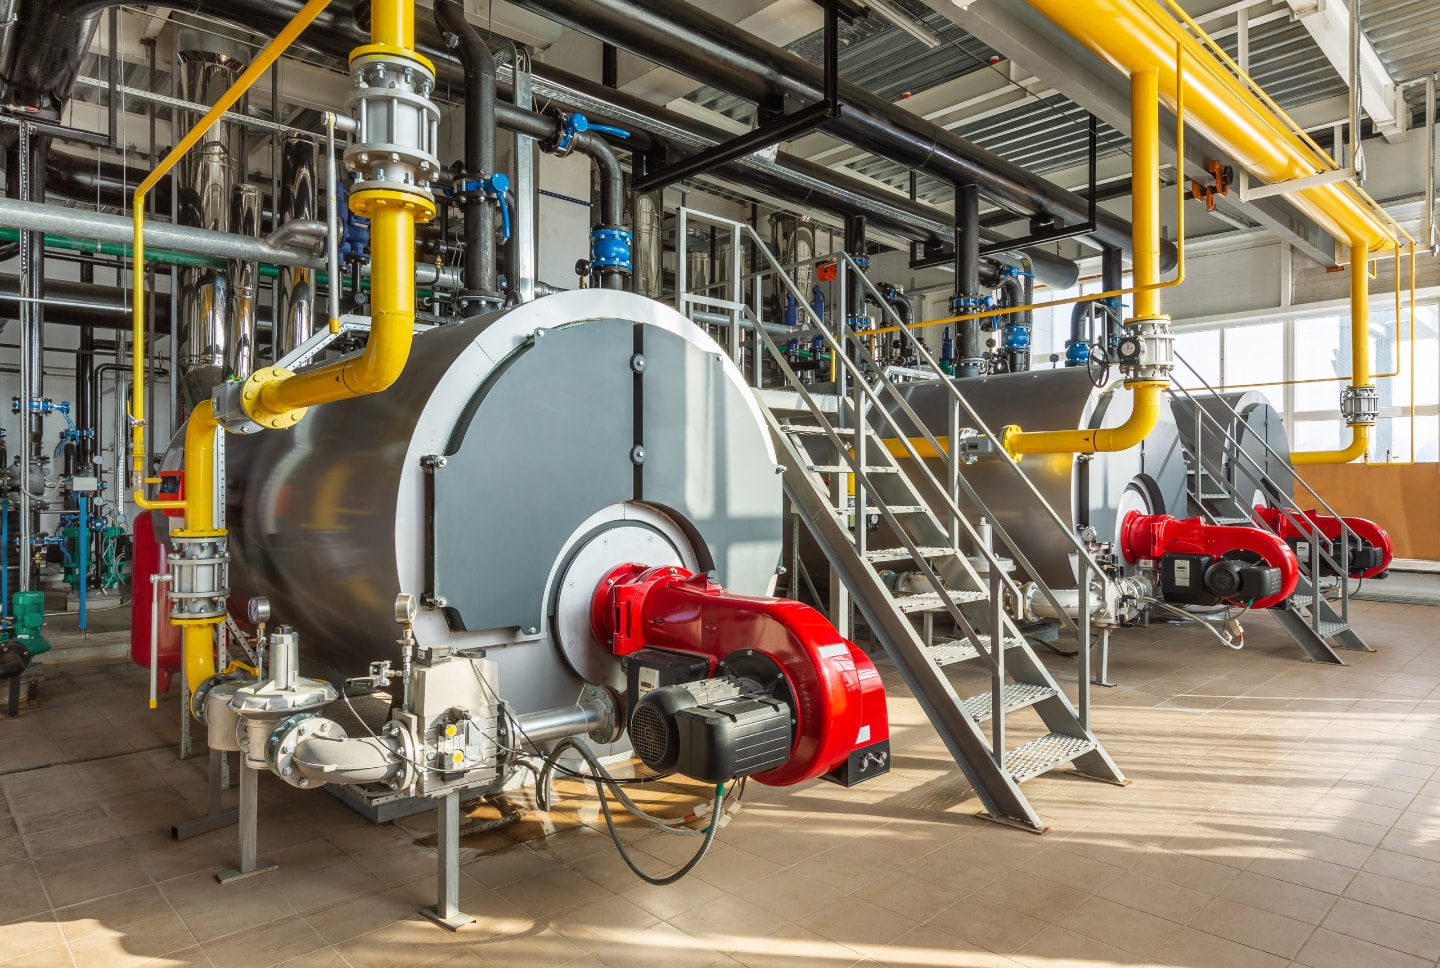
<point>277,399</point>
<point>1146,395</point>
<point>1360,376</point>
<point>198,634</point>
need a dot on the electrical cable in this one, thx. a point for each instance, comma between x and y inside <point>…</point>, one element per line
<point>1225,638</point>
<point>658,881</point>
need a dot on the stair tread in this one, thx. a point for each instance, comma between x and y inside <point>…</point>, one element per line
<point>954,651</point>
<point>931,601</point>
<point>902,554</point>
<point>1233,521</point>
<point>1016,695</point>
<point>1044,754</point>
<point>809,429</point>
<point>846,469</point>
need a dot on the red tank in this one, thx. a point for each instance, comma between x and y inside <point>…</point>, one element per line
<point>150,560</point>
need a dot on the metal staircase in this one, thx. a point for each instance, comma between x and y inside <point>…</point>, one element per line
<point>1222,471</point>
<point>838,475</point>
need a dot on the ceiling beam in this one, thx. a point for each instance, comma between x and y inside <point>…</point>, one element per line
<point>1328,22</point>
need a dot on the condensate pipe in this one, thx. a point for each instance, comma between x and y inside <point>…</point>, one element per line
<point>277,399</point>
<point>1146,393</point>
<point>1359,367</point>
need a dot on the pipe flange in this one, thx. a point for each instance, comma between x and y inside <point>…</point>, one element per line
<point>1153,357</point>
<point>612,727</point>
<point>202,691</point>
<point>250,392</point>
<point>368,197</point>
<point>1360,406</point>
<point>409,754</point>
<point>287,734</point>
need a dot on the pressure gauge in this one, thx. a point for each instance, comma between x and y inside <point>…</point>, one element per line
<point>404,608</point>
<point>1128,349</point>
<point>258,610</point>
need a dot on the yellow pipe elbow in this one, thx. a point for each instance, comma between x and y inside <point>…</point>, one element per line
<point>1146,400</point>
<point>1359,444</point>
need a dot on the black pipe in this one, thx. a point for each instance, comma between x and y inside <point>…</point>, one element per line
<point>85,407</point>
<point>39,145</point>
<point>106,307</point>
<point>107,184</point>
<point>727,57</point>
<point>478,270</point>
<point>855,282</point>
<point>970,353</point>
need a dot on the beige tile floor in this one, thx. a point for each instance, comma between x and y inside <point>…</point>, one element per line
<point>1282,813</point>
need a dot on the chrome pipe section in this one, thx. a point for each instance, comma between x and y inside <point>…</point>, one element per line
<point>295,292</point>
<point>244,286</point>
<point>595,714</point>
<point>206,177</point>
<point>332,221</point>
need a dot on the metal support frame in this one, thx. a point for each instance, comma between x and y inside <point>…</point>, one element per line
<point>217,815</point>
<point>784,128</point>
<point>248,811</point>
<point>446,911</point>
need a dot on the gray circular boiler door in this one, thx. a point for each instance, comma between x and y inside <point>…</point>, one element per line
<point>569,425</point>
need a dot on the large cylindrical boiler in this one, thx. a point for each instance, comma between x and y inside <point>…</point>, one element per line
<point>520,457</point>
<point>1094,490</point>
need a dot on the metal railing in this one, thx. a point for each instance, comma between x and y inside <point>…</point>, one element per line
<point>852,372</point>
<point>1247,464</point>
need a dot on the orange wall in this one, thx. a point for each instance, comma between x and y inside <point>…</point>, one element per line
<point>1401,499</point>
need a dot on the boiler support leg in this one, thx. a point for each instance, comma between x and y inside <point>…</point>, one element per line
<point>249,810</point>
<point>1102,664</point>
<point>218,815</point>
<point>446,911</point>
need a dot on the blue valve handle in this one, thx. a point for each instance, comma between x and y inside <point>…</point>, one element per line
<point>576,123</point>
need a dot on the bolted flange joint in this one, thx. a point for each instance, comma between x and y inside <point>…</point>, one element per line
<point>1147,350</point>
<point>394,147</point>
<point>199,576</point>
<point>250,399</point>
<point>1360,406</point>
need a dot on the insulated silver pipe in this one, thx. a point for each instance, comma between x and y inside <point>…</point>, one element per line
<point>244,286</point>
<point>332,220</point>
<point>25,215</point>
<point>348,760</point>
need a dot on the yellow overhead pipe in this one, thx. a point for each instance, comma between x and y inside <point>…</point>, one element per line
<point>1135,35</point>
<point>276,398</point>
<point>1147,395</point>
<point>1359,365</point>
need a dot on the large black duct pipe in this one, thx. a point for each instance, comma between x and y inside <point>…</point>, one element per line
<point>107,184</point>
<point>82,304</point>
<point>726,57</point>
<point>478,272</point>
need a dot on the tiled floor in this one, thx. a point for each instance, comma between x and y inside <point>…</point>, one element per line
<point>1282,813</point>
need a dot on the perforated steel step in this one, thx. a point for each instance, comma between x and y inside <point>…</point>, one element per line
<point>954,651</point>
<point>1235,521</point>
<point>1044,754</point>
<point>1016,695</point>
<point>1328,629</point>
<point>903,554</point>
<point>932,601</point>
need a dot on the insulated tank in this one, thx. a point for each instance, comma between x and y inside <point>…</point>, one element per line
<point>1243,438</point>
<point>1085,490</point>
<point>519,458</point>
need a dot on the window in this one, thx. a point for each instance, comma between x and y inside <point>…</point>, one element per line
<point>1303,364</point>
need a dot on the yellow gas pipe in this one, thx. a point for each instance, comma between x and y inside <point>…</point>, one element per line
<point>1359,365</point>
<point>1234,113</point>
<point>197,640</point>
<point>1147,395</point>
<point>277,399</point>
